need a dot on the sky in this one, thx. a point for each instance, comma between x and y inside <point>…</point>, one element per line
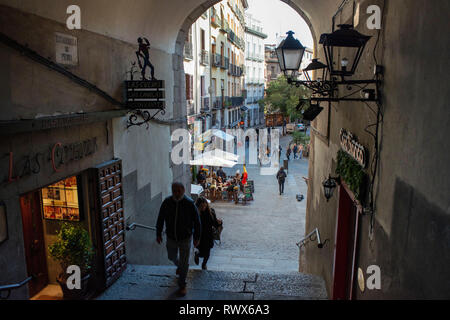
<point>278,18</point>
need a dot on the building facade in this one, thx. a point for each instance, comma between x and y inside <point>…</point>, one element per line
<point>254,65</point>
<point>214,66</point>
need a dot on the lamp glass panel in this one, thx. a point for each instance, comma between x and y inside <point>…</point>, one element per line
<point>280,57</point>
<point>293,58</point>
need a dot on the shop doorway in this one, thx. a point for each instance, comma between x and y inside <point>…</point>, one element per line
<point>43,212</point>
<point>345,245</point>
<point>33,234</point>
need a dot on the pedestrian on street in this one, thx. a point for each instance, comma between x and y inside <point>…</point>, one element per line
<point>220,173</point>
<point>300,152</point>
<point>181,218</point>
<point>209,223</point>
<point>281,177</point>
<point>288,153</point>
<point>295,151</point>
<point>279,151</point>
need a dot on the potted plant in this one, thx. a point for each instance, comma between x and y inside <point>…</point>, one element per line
<point>73,247</point>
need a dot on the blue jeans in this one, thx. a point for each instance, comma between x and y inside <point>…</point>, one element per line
<point>178,252</point>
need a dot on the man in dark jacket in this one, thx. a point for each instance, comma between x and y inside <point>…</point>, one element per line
<point>180,215</point>
<point>281,177</point>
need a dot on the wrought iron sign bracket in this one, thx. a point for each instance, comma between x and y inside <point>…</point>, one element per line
<point>139,117</point>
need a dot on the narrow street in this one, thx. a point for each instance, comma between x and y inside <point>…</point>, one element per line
<point>257,258</point>
<point>261,235</point>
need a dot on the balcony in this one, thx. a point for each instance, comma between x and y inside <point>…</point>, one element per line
<point>234,101</point>
<point>225,63</point>
<point>255,57</point>
<point>205,104</point>
<point>217,103</point>
<point>204,58</point>
<point>235,70</point>
<point>216,60</point>
<point>188,51</point>
<point>225,26</point>
<point>190,108</point>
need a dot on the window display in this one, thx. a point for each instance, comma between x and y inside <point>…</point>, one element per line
<point>60,200</point>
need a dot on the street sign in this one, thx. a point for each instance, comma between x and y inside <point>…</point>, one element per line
<point>145,94</point>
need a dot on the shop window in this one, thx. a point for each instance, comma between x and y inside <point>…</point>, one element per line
<point>60,200</point>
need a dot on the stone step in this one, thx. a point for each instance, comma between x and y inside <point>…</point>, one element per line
<point>140,282</point>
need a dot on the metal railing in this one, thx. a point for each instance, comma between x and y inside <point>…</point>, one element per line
<point>188,51</point>
<point>204,57</point>
<point>133,226</point>
<point>310,237</point>
<point>216,60</point>
<point>10,287</point>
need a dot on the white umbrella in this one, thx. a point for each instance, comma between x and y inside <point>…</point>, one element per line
<point>207,159</point>
<point>222,154</point>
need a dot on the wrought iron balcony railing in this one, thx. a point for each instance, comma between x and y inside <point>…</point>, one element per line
<point>205,104</point>
<point>216,60</point>
<point>225,63</point>
<point>204,57</point>
<point>188,51</point>
<point>217,102</point>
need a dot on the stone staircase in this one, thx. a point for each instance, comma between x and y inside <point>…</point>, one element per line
<point>159,283</point>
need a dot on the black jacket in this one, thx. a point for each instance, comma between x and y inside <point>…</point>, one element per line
<point>281,176</point>
<point>181,218</point>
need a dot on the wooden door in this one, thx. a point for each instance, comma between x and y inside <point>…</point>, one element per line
<point>33,236</point>
<point>111,221</point>
<point>345,245</point>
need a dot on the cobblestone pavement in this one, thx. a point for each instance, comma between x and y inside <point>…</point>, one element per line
<point>262,235</point>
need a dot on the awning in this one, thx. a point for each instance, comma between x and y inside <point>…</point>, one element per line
<point>244,108</point>
<point>222,154</point>
<point>209,159</point>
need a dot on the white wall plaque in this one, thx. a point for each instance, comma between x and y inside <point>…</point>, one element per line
<point>66,48</point>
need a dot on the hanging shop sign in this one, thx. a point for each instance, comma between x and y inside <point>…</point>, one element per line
<point>66,48</point>
<point>146,94</point>
<point>57,155</point>
<point>350,144</point>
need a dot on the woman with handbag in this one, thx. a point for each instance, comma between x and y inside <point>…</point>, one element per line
<point>210,226</point>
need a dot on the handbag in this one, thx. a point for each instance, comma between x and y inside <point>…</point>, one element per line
<point>216,231</point>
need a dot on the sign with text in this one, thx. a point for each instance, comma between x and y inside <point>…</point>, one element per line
<point>66,48</point>
<point>145,94</point>
<point>351,145</point>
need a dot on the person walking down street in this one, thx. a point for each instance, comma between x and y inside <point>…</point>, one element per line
<point>279,151</point>
<point>300,152</point>
<point>288,153</point>
<point>294,151</point>
<point>181,218</point>
<point>281,177</point>
<point>209,221</point>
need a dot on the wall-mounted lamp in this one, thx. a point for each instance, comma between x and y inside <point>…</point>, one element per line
<point>3,223</point>
<point>329,185</point>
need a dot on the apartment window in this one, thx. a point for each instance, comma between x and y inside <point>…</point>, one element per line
<point>213,86</point>
<point>202,39</point>
<point>189,87</point>
<point>202,86</point>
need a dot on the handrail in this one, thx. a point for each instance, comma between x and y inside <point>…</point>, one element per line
<point>133,226</point>
<point>310,238</point>
<point>10,287</point>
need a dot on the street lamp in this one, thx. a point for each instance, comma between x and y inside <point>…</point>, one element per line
<point>354,44</point>
<point>290,54</point>
<point>316,65</point>
<point>329,185</point>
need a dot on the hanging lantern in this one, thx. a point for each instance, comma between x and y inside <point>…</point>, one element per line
<point>328,187</point>
<point>290,54</point>
<point>352,43</point>
<point>316,65</point>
